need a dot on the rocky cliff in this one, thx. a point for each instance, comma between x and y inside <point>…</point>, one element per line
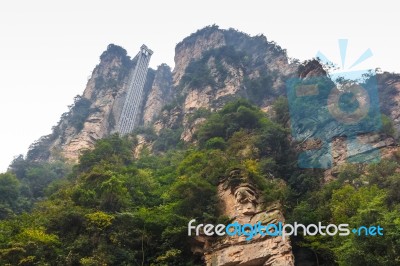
<point>160,94</point>
<point>95,113</point>
<point>212,67</point>
<point>242,203</point>
<point>371,143</point>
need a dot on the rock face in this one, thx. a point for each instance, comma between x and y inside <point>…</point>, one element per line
<point>94,114</point>
<point>192,48</point>
<point>212,67</point>
<point>242,204</point>
<point>367,146</point>
<point>160,94</point>
<point>389,96</point>
<point>106,103</point>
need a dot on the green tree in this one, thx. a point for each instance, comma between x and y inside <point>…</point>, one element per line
<point>387,127</point>
<point>9,194</point>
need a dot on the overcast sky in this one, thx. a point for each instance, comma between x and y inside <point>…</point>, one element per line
<point>49,48</point>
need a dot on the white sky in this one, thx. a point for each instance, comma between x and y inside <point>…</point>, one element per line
<point>49,48</point>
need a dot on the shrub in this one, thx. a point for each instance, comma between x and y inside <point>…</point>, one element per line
<point>216,143</point>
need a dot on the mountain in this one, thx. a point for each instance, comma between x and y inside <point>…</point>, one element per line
<point>212,67</point>
<point>226,92</point>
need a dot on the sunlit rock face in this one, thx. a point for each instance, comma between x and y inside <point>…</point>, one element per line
<point>235,63</point>
<point>241,202</point>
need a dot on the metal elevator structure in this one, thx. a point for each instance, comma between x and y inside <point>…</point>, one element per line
<point>129,117</point>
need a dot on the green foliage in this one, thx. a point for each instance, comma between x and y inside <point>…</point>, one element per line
<point>387,126</point>
<point>379,172</point>
<point>233,117</point>
<point>9,194</point>
<point>216,143</point>
<point>350,172</point>
<point>113,209</point>
<point>118,211</point>
<point>168,139</point>
<point>369,209</point>
<point>273,189</point>
<point>40,176</point>
<point>110,80</point>
<point>99,221</point>
<point>259,88</point>
<point>204,31</point>
<point>114,50</point>
<point>30,246</point>
<point>208,165</point>
<point>281,109</point>
<point>199,113</point>
<point>347,201</point>
<point>33,179</point>
<point>113,150</point>
<point>114,194</point>
<point>361,195</point>
<point>40,149</point>
<point>387,92</point>
<point>148,132</point>
<point>79,112</point>
<point>198,73</point>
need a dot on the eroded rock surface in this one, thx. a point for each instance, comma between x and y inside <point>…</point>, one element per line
<point>241,202</point>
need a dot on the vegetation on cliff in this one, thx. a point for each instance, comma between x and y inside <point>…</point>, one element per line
<point>113,209</point>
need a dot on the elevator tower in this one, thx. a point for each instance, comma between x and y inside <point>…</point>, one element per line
<point>129,117</point>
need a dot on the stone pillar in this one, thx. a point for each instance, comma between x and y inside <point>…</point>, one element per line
<point>240,201</point>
